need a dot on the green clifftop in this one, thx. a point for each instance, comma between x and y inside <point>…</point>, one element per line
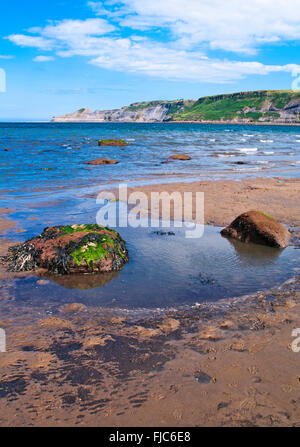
<point>264,105</point>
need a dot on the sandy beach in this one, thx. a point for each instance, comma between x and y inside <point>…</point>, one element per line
<point>229,364</point>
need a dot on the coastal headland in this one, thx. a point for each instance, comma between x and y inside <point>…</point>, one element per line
<point>281,107</point>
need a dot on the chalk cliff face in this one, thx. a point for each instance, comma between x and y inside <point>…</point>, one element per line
<point>270,106</point>
<point>133,113</point>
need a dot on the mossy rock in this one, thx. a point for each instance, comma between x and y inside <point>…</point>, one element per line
<point>87,248</point>
<point>117,142</point>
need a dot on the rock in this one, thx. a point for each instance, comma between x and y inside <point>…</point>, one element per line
<point>86,248</point>
<point>73,308</point>
<point>117,142</point>
<point>180,157</point>
<point>202,377</point>
<point>258,228</point>
<point>101,161</point>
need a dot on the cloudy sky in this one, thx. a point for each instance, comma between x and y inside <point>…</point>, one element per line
<point>63,55</point>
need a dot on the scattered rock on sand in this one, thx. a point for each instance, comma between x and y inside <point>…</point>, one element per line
<point>101,161</point>
<point>86,248</point>
<point>258,228</point>
<point>117,142</point>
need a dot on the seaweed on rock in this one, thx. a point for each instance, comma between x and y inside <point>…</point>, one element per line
<point>70,249</point>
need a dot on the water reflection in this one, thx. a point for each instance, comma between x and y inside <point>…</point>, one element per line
<point>254,254</point>
<point>84,281</point>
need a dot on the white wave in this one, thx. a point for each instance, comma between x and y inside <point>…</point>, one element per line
<point>225,155</point>
<point>268,152</point>
<point>248,135</point>
<point>246,149</point>
<point>266,141</point>
<point>212,140</point>
<point>249,169</point>
<point>130,139</point>
<point>243,139</point>
<point>297,141</point>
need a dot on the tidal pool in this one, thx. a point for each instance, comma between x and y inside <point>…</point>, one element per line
<point>166,269</point>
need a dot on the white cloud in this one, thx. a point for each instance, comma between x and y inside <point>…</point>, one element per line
<point>167,63</point>
<point>43,59</point>
<point>31,41</point>
<point>72,29</point>
<point>195,25</point>
<point>6,56</point>
<point>232,25</point>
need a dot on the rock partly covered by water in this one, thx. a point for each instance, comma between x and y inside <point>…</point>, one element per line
<point>259,228</point>
<point>101,161</point>
<point>68,249</point>
<point>117,142</point>
<point>180,157</point>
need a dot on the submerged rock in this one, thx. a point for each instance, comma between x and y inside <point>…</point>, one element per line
<point>259,228</point>
<point>101,161</point>
<point>70,249</point>
<point>117,142</point>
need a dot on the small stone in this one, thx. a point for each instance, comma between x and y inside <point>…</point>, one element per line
<point>202,377</point>
<point>222,405</point>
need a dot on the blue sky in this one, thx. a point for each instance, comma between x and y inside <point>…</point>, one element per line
<point>60,56</point>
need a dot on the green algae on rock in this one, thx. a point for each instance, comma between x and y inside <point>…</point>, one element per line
<point>117,142</point>
<point>87,248</point>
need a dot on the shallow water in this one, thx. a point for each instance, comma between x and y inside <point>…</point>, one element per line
<point>50,156</point>
<point>44,178</point>
<point>169,271</point>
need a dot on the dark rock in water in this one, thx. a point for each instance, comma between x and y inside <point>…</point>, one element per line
<point>70,249</point>
<point>117,142</point>
<point>102,161</point>
<point>258,228</point>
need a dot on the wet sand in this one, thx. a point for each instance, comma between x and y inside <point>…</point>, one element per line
<point>226,199</point>
<point>225,365</point>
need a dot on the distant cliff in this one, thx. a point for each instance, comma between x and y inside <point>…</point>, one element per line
<point>270,106</point>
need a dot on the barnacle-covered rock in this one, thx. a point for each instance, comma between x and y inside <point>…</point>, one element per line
<point>87,248</point>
